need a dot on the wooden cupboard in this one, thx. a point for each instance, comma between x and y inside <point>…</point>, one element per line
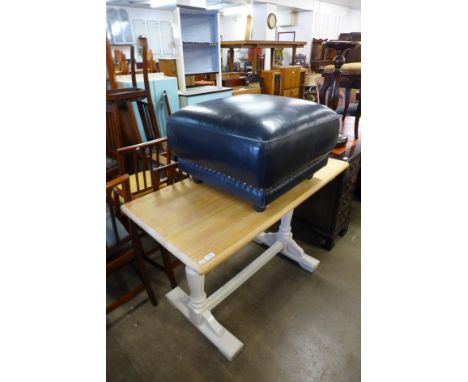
<point>290,80</point>
<point>271,82</point>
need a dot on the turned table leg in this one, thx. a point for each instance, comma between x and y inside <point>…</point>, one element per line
<point>293,58</point>
<point>231,59</point>
<point>290,248</point>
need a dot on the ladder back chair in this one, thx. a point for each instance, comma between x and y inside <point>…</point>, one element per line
<point>114,140</point>
<point>122,244</point>
<point>145,105</point>
<point>151,169</point>
<point>150,166</point>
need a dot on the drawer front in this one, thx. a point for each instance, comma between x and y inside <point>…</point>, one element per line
<point>293,93</point>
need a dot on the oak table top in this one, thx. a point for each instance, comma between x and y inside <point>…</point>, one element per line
<point>203,227</point>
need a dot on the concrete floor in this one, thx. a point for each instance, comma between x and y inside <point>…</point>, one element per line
<point>295,326</point>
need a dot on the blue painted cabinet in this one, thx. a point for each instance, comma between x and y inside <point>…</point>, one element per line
<point>158,84</point>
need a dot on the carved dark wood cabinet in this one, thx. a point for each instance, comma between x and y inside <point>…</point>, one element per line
<point>327,214</point>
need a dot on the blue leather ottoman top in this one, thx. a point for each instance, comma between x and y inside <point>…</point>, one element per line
<point>254,146</point>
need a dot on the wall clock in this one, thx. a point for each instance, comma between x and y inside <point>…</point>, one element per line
<point>271,20</point>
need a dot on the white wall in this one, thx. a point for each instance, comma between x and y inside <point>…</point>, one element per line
<point>260,30</point>
<point>232,28</point>
<point>330,20</point>
<point>303,29</point>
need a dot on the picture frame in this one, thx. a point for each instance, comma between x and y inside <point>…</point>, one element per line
<point>286,36</point>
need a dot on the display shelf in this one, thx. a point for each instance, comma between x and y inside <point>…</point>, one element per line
<point>197,43</point>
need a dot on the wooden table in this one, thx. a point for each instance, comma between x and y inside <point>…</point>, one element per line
<point>204,227</point>
<point>263,44</point>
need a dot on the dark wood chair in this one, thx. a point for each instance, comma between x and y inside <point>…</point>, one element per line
<point>114,140</point>
<point>151,169</point>
<point>341,75</point>
<point>122,242</point>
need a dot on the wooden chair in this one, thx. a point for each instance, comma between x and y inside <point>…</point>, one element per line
<point>133,100</point>
<point>110,80</point>
<point>114,140</point>
<point>166,103</point>
<point>149,165</point>
<point>122,242</point>
<point>335,77</point>
<point>151,169</point>
<point>145,105</point>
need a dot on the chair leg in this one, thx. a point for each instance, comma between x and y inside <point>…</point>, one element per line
<point>168,267</point>
<point>141,265</point>
<point>346,105</point>
<point>356,120</point>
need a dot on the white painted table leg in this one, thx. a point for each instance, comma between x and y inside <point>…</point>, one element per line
<point>290,248</point>
<point>196,309</point>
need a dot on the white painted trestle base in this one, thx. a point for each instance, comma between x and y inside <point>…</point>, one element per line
<point>197,307</point>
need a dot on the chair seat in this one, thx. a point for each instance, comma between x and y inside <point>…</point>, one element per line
<point>111,163</point>
<point>353,68</point>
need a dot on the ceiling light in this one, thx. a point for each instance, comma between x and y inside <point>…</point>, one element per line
<point>161,3</point>
<point>215,6</point>
<point>246,9</point>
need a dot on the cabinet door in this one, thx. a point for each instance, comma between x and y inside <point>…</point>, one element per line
<point>119,27</point>
<point>113,25</point>
<point>154,37</point>
<point>167,38</point>
<point>291,77</point>
<point>126,29</point>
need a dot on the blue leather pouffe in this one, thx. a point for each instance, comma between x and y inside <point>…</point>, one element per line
<point>254,146</point>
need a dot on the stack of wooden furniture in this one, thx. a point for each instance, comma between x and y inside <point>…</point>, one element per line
<point>147,166</point>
